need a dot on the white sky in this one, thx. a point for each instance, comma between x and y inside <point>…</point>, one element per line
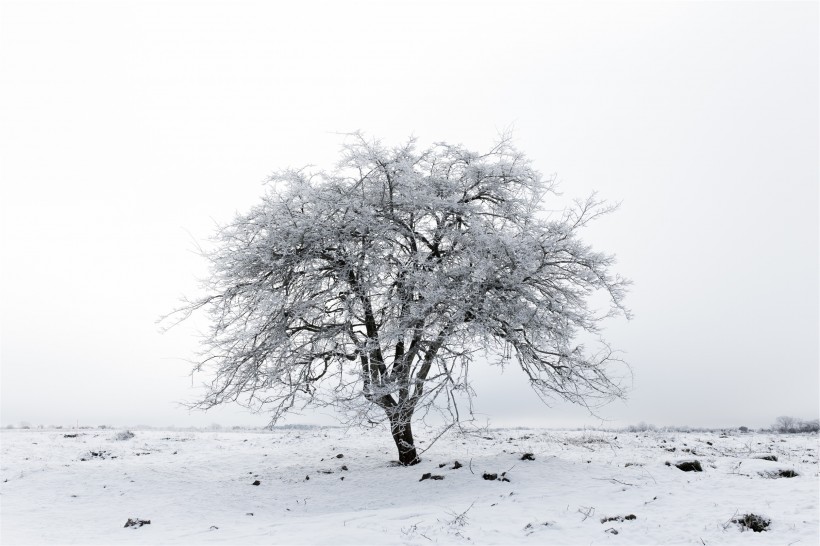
<point>128,128</point>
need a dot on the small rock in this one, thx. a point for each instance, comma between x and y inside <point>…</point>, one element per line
<point>489,477</point>
<point>344,467</point>
<point>527,457</point>
<point>339,456</point>
<point>256,482</point>
<point>690,466</point>
<point>457,465</point>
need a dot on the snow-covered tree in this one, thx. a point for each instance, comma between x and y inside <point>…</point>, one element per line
<point>373,288</point>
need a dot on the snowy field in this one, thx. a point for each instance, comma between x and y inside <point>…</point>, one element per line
<point>337,486</point>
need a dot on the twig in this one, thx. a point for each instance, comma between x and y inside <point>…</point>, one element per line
<point>613,480</point>
<point>448,427</point>
<point>589,511</point>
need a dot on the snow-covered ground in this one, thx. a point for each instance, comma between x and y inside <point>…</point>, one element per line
<point>338,486</point>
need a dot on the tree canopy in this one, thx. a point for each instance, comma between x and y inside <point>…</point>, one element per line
<point>373,287</point>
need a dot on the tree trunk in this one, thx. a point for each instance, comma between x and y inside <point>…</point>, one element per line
<point>403,436</point>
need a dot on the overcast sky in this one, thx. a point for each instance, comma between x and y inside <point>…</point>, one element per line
<point>129,129</point>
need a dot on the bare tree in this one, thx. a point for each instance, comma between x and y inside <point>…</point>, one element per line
<point>373,287</point>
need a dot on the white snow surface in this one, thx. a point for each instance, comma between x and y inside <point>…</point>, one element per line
<point>196,488</point>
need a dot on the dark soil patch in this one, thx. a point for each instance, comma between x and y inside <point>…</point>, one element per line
<point>754,522</point>
<point>493,477</point>
<point>619,518</point>
<point>98,455</point>
<point>783,473</point>
<point>772,458</point>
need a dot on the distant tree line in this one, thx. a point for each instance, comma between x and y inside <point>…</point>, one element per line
<point>782,425</point>
<point>793,425</point>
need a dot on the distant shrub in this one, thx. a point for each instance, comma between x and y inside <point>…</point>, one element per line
<point>124,435</point>
<point>641,427</point>
<point>744,429</point>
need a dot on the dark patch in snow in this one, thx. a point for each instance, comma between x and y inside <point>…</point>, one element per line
<point>102,454</point>
<point>457,465</point>
<point>256,482</point>
<point>492,476</point>
<point>769,457</point>
<point>629,517</point>
<point>69,435</point>
<point>339,456</point>
<point>689,466</point>
<point>136,523</point>
<point>752,521</point>
<point>527,457</point>
<point>430,476</point>
<point>532,527</point>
